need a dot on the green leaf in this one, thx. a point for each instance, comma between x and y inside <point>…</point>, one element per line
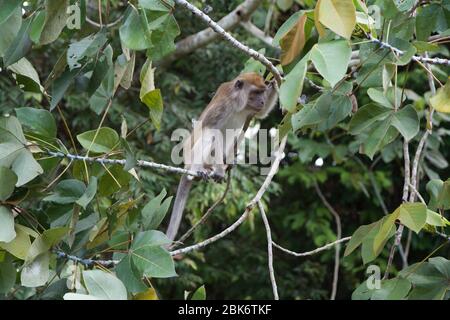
<point>363,291</point>
<point>14,154</point>
<point>44,242</point>
<point>8,180</point>
<point>331,59</point>
<point>19,46</point>
<point>444,196</point>
<point>7,8</point>
<point>369,251</point>
<point>435,219</point>
<point>426,19</point>
<point>104,93</point>
<point>358,236</point>
<point>385,231</point>
<point>85,48</point>
<point>327,111</point>
<point>108,185</point>
<point>37,26</point>
<point>127,275</point>
<point>26,76</point>
<point>36,273</point>
<point>7,275</point>
<point>104,285</point>
<point>10,28</point>
<point>133,33</point>
<point>407,122</point>
<point>376,137</point>
<point>157,5</point>
<point>40,121</point>
<point>7,232</point>
<point>149,258</point>
<point>153,100</point>
<point>379,97</point>
<point>441,101</point>
<point>434,187</point>
<point>55,20</point>
<point>430,280</point>
<point>392,289</point>
<point>366,116</point>
<point>338,15</point>
<point>164,30</point>
<point>199,294</point>
<point>155,210</point>
<point>413,215</point>
<point>60,86</point>
<point>105,140</point>
<point>291,88</point>
<point>89,193</point>
<point>67,191</point>
<point>339,108</point>
<point>20,245</point>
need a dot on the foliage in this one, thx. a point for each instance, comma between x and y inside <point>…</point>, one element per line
<point>108,88</point>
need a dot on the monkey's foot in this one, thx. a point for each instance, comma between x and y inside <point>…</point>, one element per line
<point>203,175</point>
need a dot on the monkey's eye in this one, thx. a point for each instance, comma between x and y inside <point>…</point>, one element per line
<point>239,84</point>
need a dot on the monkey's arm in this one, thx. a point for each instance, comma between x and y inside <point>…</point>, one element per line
<point>178,207</point>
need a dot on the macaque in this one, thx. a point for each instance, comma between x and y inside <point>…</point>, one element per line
<point>213,142</point>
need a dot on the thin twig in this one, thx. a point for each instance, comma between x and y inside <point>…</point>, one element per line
<point>337,219</point>
<point>398,234</point>
<point>415,58</point>
<point>269,251</point>
<point>413,188</point>
<point>86,262</point>
<point>312,252</point>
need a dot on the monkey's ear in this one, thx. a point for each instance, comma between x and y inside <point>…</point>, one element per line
<point>238,84</point>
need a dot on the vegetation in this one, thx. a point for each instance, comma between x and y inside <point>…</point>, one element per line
<point>88,88</point>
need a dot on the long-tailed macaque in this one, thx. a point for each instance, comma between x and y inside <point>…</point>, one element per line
<point>210,143</point>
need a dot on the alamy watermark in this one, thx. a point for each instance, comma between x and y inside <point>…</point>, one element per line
<point>214,148</point>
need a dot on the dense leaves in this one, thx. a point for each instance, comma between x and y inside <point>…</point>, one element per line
<point>115,82</point>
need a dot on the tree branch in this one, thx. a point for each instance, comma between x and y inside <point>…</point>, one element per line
<point>398,234</point>
<point>258,33</point>
<point>337,219</point>
<point>273,170</point>
<point>122,162</point>
<point>415,58</point>
<point>242,12</point>
<point>310,253</point>
<point>269,251</point>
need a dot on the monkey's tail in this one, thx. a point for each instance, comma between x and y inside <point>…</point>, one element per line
<point>180,202</point>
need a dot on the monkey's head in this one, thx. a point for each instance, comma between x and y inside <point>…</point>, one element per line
<point>253,89</point>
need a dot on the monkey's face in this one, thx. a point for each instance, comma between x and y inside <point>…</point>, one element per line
<point>253,90</point>
<point>257,99</point>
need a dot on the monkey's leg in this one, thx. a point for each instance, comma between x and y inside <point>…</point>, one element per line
<point>200,154</point>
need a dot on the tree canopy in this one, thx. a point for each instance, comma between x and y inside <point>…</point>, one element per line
<point>354,199</point>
